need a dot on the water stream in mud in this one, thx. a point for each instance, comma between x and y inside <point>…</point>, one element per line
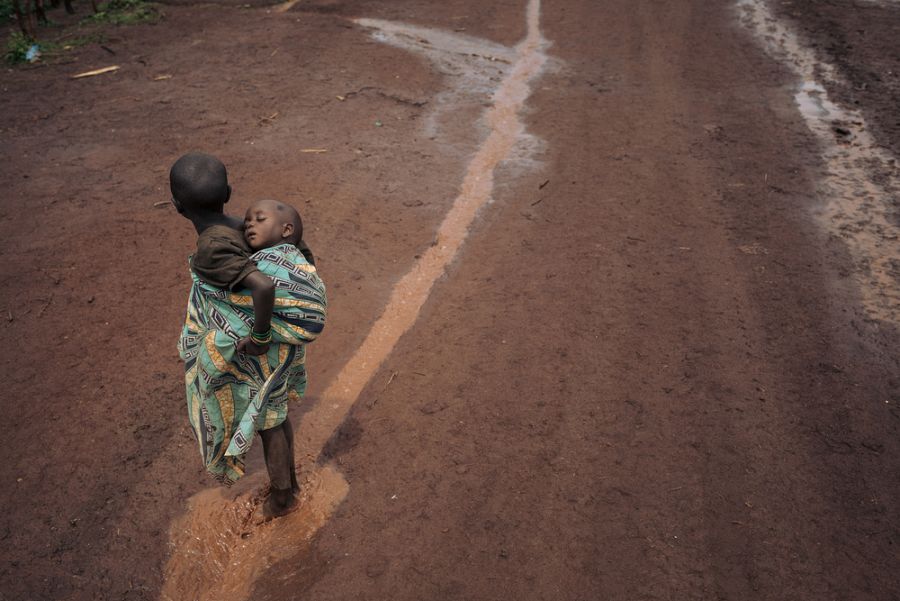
<point>218,549</point>
<point>854,206</point>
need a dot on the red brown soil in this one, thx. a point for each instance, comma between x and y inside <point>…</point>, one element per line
<point>649,379</point>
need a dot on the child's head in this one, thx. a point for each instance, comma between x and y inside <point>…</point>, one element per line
<point>199,183</point>
<point>270,223</point>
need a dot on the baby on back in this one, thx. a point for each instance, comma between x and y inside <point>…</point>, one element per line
<point>223,252</point>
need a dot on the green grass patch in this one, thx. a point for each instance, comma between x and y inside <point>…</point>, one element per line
<point>17,45</point>
<point>124,12</point>
<point>114,12</point>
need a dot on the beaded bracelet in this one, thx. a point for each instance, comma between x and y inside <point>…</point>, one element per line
<point>264,338</point>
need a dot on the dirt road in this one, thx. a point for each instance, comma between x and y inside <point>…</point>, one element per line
<point>651,370</point>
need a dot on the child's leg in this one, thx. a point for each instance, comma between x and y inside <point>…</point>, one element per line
<point>279,459</point>
<point>289,434</point>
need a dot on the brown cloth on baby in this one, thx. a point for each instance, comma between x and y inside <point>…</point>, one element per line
<point>223,257</point>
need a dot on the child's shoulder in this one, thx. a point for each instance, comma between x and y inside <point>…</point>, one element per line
<point>222,258</point>
<point>217,233</point>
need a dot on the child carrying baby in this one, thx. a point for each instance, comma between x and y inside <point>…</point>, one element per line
<point>244,353</point>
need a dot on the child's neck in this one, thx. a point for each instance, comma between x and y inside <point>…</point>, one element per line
<point>206,219</point>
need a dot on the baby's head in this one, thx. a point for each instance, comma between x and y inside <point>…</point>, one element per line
<point>270,223</point>
<point>199,183</point>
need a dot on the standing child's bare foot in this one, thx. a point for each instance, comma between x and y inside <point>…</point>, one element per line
<point>295,486</point>
<point>280,503</point>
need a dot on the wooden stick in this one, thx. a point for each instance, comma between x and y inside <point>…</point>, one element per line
<point>283,8</point>
<point>97,72</point>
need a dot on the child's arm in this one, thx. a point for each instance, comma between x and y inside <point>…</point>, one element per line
<point>262,288</point>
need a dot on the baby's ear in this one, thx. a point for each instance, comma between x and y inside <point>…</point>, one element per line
<point>287,230</point>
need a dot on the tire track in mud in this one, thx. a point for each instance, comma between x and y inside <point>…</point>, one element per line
<point>855,207</point>
<point>217,551</point>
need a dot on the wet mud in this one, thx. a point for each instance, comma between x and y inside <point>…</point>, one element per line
<point>861,177</point>
<point>651,368</point>
<point>223,543</point>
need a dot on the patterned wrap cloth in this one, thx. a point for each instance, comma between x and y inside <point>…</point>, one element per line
<point>230,395</point>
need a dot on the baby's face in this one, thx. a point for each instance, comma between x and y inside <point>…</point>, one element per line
<point>266,225</point>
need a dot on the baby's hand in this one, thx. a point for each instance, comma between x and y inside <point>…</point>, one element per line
<point>246,345</point>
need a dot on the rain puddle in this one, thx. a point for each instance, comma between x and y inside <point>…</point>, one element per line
<point>218,547</point>
<point>855,207</point>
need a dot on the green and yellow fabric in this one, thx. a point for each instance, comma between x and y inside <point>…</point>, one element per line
<point>231,395</point>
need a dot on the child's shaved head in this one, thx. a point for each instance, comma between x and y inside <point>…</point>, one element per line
<point>199,181</point>
<point>294,217</point>
<point>271,222</point>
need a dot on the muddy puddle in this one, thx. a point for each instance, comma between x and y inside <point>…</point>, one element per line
<point>219,547</point>
<point>861,177</point>
<point>223,545</point>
